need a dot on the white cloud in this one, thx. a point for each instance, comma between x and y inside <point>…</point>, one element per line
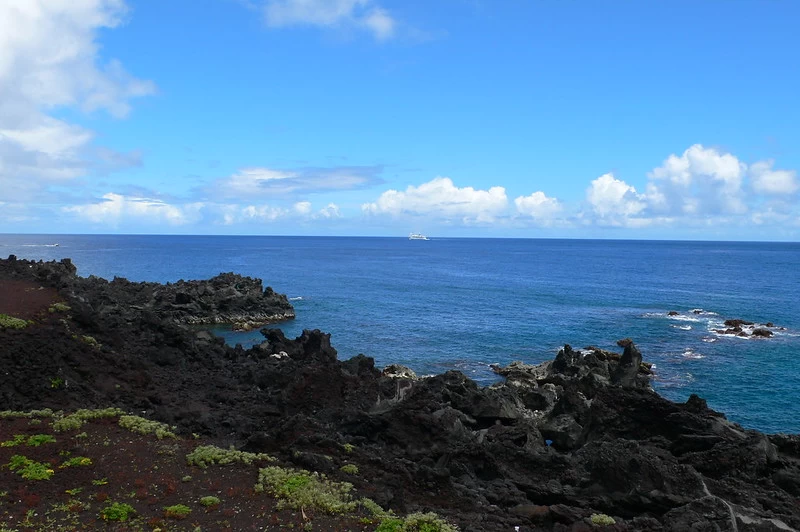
<point>49,60</point>
<point>331,14</point>
<point>302,207</point>
<point>440,198</point>
<point>701,180</point>
<point>257,182</point>
<point>539,207</point>
<point>613,198</point>
<point>302,211</point>
<point>331,210</point>
<point>116,208</point>
<point>769,181</point>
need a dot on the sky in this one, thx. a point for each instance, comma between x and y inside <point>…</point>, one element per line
<point>472,118</point>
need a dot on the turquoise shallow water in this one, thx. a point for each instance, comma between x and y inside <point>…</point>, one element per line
<point>466,303</point>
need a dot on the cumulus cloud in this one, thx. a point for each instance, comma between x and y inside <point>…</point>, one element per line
<point>701,180</point>
<point>610,197</point>
<point>117,208</point>
<point>361,14</point>
<point>302,211</point>
<point>248,183</point>
<point>538,206</point>
<point>49,60</point>
<point>769,181</point>
<point>440,198</point>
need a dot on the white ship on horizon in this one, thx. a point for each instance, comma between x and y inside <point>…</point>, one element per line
<point>417,236</point>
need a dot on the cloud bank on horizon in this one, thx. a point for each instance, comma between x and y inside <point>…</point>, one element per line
<point>304,150</point>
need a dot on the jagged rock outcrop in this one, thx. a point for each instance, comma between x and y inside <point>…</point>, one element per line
<point>227,298</point>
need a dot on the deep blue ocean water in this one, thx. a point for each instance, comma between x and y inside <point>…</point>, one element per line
<point>466,303</point>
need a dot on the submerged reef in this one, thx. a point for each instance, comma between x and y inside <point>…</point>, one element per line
<point>578,442</point>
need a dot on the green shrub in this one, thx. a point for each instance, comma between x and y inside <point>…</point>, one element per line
<point>10,322</point>
<point>209,500</point>
<point>39,439</point>
<point>8,414</point>
<point>297,488</point>
<point>77,461</point>
<point>348,447</point>
<point>141,425</point>
<point>59,307</point>
<point>177,511</point>
<point>28,469</point>
<point>19,439</point>
<point>390,524</point>
<point>117,511</point>
<point>427,522</point>
<point>350,469</point>
<point>90,341</point>
<point>206,455</point>
<point>79,417</point>
<point>416,522</point>
<point>602,520</point>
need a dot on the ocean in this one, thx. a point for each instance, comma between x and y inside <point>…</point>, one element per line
<point>458,303</point>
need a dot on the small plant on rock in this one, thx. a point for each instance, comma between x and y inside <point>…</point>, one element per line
<point>117,511</point>
<point>350,469</point>
<point>58,307</point>
<point>10,322</point>
<point>77,461</point>
<point>177,511</point>
<point>141,425</point>
<point>39,439</point>
<point>602,520</point>
<point>29,469</point>
<point>206,455</point>
<point>209,501</point>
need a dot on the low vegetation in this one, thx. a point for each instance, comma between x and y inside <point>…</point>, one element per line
<point>10,322</point>
<point>206,455</point>
<point>141,425</point>
<point>130,472</point>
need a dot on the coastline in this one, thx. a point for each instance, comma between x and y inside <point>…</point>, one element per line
<point>550,446</point>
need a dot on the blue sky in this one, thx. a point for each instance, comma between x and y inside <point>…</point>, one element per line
<point>518,118</point>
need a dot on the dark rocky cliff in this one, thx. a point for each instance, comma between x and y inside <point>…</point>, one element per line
<point>545,449</point>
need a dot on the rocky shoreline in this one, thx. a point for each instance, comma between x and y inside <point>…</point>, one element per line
<point>546,449</point>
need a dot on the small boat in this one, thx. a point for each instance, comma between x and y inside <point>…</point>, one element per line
<point>417,236</point>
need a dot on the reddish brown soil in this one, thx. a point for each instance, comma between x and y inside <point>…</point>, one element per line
<point>144,472</point>
<point>25,299</point>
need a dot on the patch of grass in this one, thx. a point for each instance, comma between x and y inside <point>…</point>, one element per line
<point>59,307</point>
<point>76,461</point>
<point>416,522</point>
<point>19,439</point>
<point>298,488</point>
<point>100,481</point>
<point>602,520</point>
<point>40,439</point>
<point>56,383</point>
<point>348,447</point>
<point>206,455</point>
<point>10,322</point>
<point>390,524</point>
<point>350,469</point>
<point>9,414</point>
<point>29,469</point>
<point>91,341</point>
<point>117,511</point>
<point>141,425</point>
<point>79,417</point>
<point>209,501</point>
<point>177,511</point>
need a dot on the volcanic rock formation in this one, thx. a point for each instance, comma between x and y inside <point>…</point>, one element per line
<point>544,449</point>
